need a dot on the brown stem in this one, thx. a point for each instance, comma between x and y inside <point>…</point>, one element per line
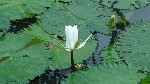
<point>72,62</point>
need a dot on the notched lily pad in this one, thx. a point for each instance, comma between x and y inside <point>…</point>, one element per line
<point>25,64</point>
<point>112,74</point>
<point>80,13</point>
<point>19,9</point>
<point>133,45</point>
<point>13,42</point>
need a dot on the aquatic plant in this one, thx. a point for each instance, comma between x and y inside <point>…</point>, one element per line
<point>39,46</point>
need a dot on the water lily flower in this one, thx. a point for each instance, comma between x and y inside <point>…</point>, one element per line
<point>72,41</point>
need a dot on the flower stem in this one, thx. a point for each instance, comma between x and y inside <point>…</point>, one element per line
<point>72,62</point>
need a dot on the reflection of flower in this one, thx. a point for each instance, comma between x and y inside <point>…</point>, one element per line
<point>72,38</point>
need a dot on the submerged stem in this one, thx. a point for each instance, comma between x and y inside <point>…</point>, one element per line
<point>72,62</point>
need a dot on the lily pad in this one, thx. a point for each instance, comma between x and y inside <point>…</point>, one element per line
<point>36,32</point>
<point>80,13</point>
<point>114,74</point>
<point>133,45</point>
<point>13,42</point>
<point>25,64</point>
<point>19,9</point>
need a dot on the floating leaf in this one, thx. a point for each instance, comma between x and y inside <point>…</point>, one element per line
<point>19,9</point>
<point>133,45</point>
<point>80,13</point>
<point>26,64</point>
<point>115,74</point>
<point>35,32</point>
<point>4,22</point>
<point>22,58</point>
<point>13,42</point>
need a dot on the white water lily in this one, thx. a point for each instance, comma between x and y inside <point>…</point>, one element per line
<point>72,37</point>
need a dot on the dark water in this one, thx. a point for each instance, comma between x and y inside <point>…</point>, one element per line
<point>55,77</point>
<point>139,14</point>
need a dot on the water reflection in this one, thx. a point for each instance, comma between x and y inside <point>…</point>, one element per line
<point>138,14</point>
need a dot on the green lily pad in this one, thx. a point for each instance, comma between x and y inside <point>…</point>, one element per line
<point>80,13</point>
<point>133,45</point>
<point>24,65</point>
<point>19,9</point>
<point>114,74</point>
<point>13,42</point>
<point>36,32</point>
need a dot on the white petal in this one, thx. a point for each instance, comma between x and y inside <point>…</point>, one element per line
<point>71,36</point>
<point>82,44</point>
